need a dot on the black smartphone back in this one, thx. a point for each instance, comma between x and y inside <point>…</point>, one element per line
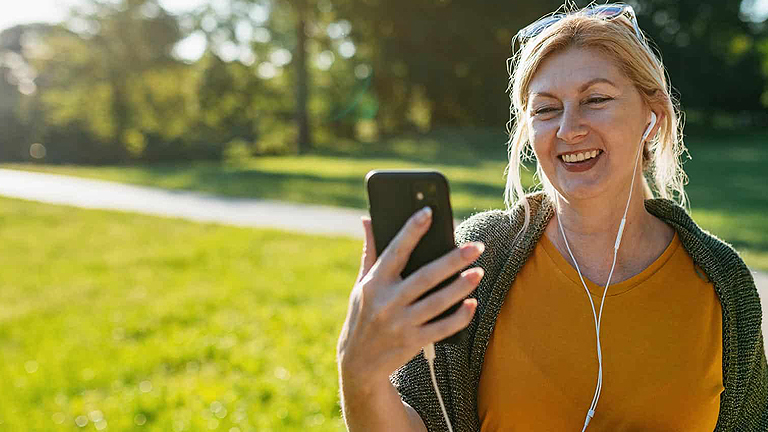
<point>393,197</point>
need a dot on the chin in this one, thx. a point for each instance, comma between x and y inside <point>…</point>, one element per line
<point>580,191</point>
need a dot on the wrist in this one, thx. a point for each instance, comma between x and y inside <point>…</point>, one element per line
<point>362,384</point>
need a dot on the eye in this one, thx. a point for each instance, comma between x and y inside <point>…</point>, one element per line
<point>543,110</point>
<point>598,100</point>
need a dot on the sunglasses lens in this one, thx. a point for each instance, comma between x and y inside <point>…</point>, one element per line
<point>534,29</point>
<point>606,12</point>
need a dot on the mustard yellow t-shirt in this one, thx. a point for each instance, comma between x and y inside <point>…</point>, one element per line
<point>661,337</point>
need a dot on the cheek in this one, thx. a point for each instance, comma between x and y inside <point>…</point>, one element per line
<point>541,135</point>
<point>606,119</point>
<point>542,142</point>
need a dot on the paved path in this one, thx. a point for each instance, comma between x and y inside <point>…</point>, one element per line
<point>200,207</point>
<point>98,194</point>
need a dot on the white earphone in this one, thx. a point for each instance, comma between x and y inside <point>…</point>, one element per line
<point>598,318</point>
<point>639,152</point>
<point>650,126</point>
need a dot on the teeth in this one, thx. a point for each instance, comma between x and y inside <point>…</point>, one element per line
<point>578,157</point>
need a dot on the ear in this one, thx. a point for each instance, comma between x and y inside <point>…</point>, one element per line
<point>657,124</point>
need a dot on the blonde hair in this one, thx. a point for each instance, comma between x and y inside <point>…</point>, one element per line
<point>617,40</point>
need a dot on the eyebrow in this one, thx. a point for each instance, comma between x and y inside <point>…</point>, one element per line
<point>583,87</point>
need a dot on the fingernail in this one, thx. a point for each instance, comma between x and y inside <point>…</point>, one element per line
<point>424,215</point>
<point>474,274</point>
<point>480,247</point>
<point>472,250</point>
<point>470,304</point>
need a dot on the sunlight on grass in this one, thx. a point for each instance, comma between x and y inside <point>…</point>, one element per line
<point>748,237</point>
<point>125,321</point>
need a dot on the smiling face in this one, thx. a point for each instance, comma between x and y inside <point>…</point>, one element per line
<point>585,122</point>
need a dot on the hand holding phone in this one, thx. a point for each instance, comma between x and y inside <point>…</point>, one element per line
<point>389,319</point>
<point>393,196</point>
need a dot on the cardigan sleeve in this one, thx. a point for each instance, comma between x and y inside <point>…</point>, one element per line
<point>753,414</point>
<point>414,383</point>
<point>748,370</point>
<point>743,301</point>
<point>413,380</point>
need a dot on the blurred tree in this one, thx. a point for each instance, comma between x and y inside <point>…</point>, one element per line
<point>712,55</point>
<point>274,32</point>
<point>22,82</point>
<point>441,62</point>
<point>289,22</point>
<point>97,73</point>
<point>290,74</point>
<point>131,37</point>
<point>311,41</point>
<point>13,72</point>
<point>13,130</point>
<point>301,10</point>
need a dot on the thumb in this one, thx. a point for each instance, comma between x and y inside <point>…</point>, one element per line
<point>369,249</point>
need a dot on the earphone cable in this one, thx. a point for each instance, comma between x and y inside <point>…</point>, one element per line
<point>598,317</point>
<point>429,354</point>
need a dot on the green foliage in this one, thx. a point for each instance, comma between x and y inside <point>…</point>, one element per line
<point>14,129</point>
<point>711,57</point>
<point>143,323</point>
<point>107,88</point>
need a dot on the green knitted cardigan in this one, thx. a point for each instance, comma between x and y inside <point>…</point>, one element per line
<point>744,402</point>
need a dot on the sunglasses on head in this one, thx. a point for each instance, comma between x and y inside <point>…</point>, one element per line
<point>607,12</point>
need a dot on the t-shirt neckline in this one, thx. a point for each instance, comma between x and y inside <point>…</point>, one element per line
<point>613,289</point>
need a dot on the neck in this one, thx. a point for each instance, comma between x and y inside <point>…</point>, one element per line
<point>591,226</point>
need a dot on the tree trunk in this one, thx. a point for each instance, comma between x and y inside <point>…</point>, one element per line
<point>120,113</point>
<point>302,81</point>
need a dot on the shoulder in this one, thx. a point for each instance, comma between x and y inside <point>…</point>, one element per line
<point>495,225</point>
<point>481,226</point>
<point>509,236</point>
<point>719,259</point>
<point>698,241</point>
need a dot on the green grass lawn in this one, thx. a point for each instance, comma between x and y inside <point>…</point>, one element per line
<point>727,177</point>
<point>126,322</point>
<point>130,322</point>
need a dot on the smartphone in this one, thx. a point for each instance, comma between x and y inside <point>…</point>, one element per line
<point>393,197</point>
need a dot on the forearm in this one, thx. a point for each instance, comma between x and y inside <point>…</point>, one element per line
<point>377,408</point>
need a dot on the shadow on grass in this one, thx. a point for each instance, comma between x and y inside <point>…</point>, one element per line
<point>729,177</point>
<point>343,191</point>
<point>728,185</point>
<point>447,147</point>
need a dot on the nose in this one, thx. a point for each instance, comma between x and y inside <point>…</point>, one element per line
<point>572,127</point>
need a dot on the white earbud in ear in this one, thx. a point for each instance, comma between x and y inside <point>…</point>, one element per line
<point>650,126</point>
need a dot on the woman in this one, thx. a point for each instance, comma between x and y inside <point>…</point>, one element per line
<point>594,264</point>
